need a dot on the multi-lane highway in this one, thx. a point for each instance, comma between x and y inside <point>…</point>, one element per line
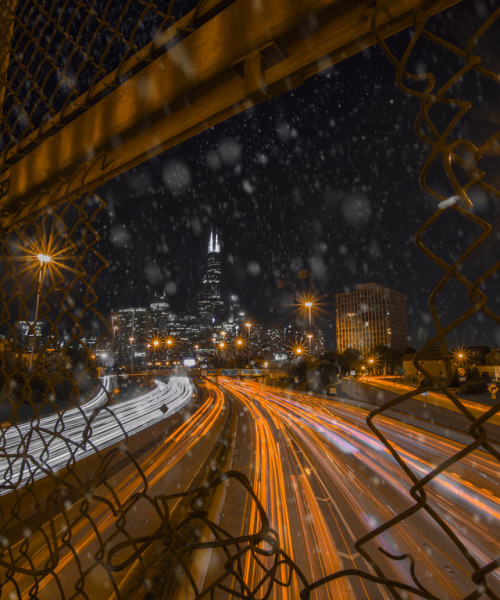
<point>326,480</point>
<point>321,475</point>
<point>118,514</point>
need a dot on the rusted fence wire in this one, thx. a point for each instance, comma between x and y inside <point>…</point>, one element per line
<point>56,59</point>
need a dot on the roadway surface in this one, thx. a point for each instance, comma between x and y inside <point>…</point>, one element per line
<point>31,450</point>
<point>322,477</point>
<point>326,480</point>
<point>121,510</point>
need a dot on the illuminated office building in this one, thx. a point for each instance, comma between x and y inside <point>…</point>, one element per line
<point>371,316</point>
<point>162,317</point>
<point>211,307</point>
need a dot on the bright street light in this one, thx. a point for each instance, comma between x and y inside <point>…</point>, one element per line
<point>44,260</point>
<point>308,304</point>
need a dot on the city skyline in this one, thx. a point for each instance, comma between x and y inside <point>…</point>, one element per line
<point>213,308</point>
<point>220,331</point>
<point>296,210</point>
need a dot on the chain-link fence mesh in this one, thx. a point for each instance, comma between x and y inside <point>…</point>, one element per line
<point>58,58</point>
<point>55,60</point>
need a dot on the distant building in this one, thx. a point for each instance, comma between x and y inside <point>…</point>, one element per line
<point>131,323</point>
<point>431,360</point>
<point>373,315</point>
<point>211,307</point>
<point>28,330</point>
<point>161,315</point>
<point>220,333</point>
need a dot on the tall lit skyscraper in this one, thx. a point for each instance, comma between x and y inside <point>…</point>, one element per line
<point>211,307</point>
<point>373,315</point>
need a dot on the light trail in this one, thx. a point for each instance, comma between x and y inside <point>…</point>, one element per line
<point>436,398</point>
<point>272,494</point>
<point>359,469</point>
<point>107,506</point>
<point>30,451</point>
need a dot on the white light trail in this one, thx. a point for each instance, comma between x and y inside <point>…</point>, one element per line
<point>30,450</point>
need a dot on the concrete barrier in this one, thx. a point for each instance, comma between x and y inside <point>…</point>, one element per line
<point>372,396</point>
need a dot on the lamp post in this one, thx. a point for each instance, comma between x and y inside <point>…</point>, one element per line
<point>170,342</point>
<point>222,345</point>
<point>155,343</point>
<point>44,260</point>
<point>248,326</point>
<point>309,337</point>
<point>308,305</point>
<point>131,340</point>
<point>239,345</point>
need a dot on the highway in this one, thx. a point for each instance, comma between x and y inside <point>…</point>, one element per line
<point>96,519</point>
<point>322,476</point>
<point>31,450</point>
<point>326,480</point>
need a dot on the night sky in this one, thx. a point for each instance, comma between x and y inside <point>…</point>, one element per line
<point>316,189</point>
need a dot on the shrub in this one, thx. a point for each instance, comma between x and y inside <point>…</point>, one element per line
<point>474,387</point>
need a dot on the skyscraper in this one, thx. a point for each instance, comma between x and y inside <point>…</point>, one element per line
<point>371,316</point>
<point>132,332</point>
<point>211,307</point>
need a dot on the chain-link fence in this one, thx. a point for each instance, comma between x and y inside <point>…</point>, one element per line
<point>56,60</point>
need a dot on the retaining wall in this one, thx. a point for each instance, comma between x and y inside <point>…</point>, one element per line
<point>373,396</point>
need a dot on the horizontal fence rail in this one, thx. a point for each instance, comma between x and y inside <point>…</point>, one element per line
<point>102,119</point>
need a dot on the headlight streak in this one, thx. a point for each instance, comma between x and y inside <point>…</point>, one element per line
<point>302,413</point>
<point>303,427</point>
<point>452,484</point>
<point>60,438</point>
<point>121,493</point>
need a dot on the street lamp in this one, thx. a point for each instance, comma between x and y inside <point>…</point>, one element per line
<point>239,345</point>
<point>222,345</point>
<point>309,337</point>
<point>248,326</point>
<point>308,305</point>
<point>44,260</point>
